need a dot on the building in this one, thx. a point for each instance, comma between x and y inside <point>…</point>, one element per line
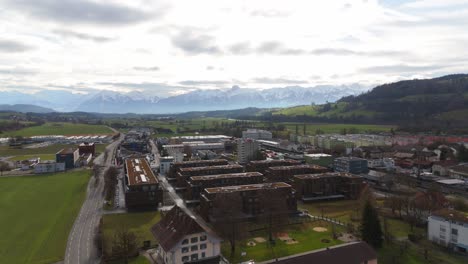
<point>204,138</point>
<point>197,184</point>
<point>327,186</point>
<point>257,134</point>
<point>442,168</point>
<point>321,159</point>
<point>247,150</point>
<point>194,163</point>
<point>349,253</point>
<point>449,228</point>
<point>69,156</point>
<point>87,148</point>
<point>250,196</point>
<point>183,239</point>
<point>459,172</point>
<point>48,167</point>
<point>262,165</point>
<point>351,165</point>
<point>165,164</point>
<point>184,173</point>
<point>286,173</point>
<point>141,186</point>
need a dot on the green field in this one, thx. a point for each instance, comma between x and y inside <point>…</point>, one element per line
<point>56,128</point>
<point>45,153</point>
<point>312,129</point>
<point>307,238</point>
<point>139,223</point>
<point>34,156</point>
<point>37,213</point>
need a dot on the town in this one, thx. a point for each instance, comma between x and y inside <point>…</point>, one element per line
<point>261,199</point>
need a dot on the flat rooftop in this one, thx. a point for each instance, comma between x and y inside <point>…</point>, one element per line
<point>285,161</point>
<point>201,137</point>
<point>139,172</point>
<point>297,167</point>
<point>225,176</point>
<point>66,151</point>
<point>318,155</point>
<point>451,215</point>
<point>196,162</point>
<point>205,168</point>
<point>326,175</point>
<point>249,187</point>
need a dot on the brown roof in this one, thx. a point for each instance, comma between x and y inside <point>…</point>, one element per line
<point>139,172</point>
<point>66,151</point>
<point>352,253</point>
<point>228,175</point>
<point>451,215</point>
<point>248,187</point>
<point>196,162</point>
<point>325,175</point>
<point>174,226</point>
<point>463,168</point>
<point>218,167</point>
<point>296,167</point>
<point>285,161</point>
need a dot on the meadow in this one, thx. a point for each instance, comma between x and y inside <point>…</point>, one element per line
<point>37,213</point>
<point>60,128</point>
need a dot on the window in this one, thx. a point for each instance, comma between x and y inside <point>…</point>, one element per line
<point>194,240</point>
<point>185,258</point>
<point>185,241</point>
<point>194,257</point>
<point>194,248</point>
<point>202,246</point>
<point>185,249</point>
<point>203,255</point>
<point>202,238</point>
<point>454,231</point>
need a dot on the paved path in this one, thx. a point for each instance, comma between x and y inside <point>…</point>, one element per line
<point>81,246</point>
<point>324,218</point>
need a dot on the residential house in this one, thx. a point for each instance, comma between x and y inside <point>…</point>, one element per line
<point>449,228</point>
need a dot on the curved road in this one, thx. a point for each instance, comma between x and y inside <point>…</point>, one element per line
<point>81,246</point>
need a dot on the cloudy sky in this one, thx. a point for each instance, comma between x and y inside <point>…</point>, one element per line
<point>169,47</point>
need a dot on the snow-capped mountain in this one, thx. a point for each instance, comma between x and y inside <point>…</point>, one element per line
<point>197,100</point>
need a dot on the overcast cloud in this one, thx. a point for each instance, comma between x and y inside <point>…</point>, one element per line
<point>171,46</point>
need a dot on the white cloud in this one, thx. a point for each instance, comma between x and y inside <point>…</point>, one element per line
<point>257,43</point>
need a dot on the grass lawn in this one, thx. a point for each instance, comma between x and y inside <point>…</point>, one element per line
<point>37,213</point>
<point>56,128</point>
<point>308,240</point>
<point>139,223</point>
<point>46,153</point>
<point>28,157</point>
<point>337,128</point>
<point>137,260</point>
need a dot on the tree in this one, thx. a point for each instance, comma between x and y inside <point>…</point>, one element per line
<point>371,231</point>
<point>275,211</point>
<point>4,166</point>
<point>462,153</point>
<point>124,244</point>
<point>226,218</point>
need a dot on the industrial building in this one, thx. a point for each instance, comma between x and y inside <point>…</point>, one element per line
<point>327,186</point>
<point>87,148</point>
<point>69,156</point>
<point>286,173</point>
<point>251,199</point>
<point>197,184</point>
<point>246,150</point>
<point>351,165</point>
<point>257,134</point>
<point>48,167</point>
<point>262,165</point>
<point>142,189</point>
<point>184,173</point>
<point>321,159</point>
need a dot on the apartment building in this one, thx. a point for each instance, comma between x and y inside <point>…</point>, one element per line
<point>246,150</point>
<point>449,228</point>
<point>327,186</point>
<point>351,165</point>
<point>257,134</point>
<point>286,173</point>
<point>142,189</point>
<point>194,163</point>
<point>184,173</point>
<point>262,165</point>
<point>69,156</point>
<point>197,184</point>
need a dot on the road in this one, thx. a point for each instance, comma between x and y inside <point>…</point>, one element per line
<point>81,246</point>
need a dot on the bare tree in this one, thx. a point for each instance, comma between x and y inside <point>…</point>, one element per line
<point>275,210</point>
<point>110,181</point>
<point>4,166</point>
<point>226,217</point>
<point>125,244</point>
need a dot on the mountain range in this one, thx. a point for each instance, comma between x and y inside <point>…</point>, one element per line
<point>198,100</point>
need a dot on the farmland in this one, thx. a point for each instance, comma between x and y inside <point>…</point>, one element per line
<point>60,128</point>
<point>37,215</point>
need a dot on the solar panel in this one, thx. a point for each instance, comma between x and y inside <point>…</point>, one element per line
<point>143,178</point>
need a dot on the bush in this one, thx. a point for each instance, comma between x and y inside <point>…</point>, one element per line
<point>414,237</point>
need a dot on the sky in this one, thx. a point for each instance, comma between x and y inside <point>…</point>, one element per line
<point>171,47</point>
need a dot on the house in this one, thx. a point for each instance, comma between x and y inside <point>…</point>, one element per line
<point>48,167</point>
<point>327,186</point>
<point>251,199</point>
<point>350,253</point>
<point>441,168</point>
<point>449,228</point>
<point>69,156</point>
<point>459,172</point>
<point>142,189</point>
<point>183,239</point>
<point>351,165</point>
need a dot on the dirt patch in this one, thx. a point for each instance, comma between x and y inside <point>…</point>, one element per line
<point>259,239</point>
<point>347,237</point>
<point>251,244</point>
<point>320,229</point>
<point>291,241</point>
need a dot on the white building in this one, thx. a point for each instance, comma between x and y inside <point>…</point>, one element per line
<point>257,134</point>
<point>246,150</point>
<point>449,228</point>
<point>165,164</point>
<point>183,239</point>
<point>48,167</point>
